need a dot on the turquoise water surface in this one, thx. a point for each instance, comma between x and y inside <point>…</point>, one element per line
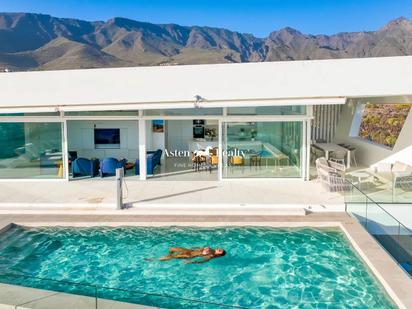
<point>263,267</point>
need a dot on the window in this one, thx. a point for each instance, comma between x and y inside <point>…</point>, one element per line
<point>184,112</point>
<point>268,110</point>
<point>30,114</point>
<point>103,113</point>
<point>31,150</point>
<point>382,123</point>
<point>262,149</point>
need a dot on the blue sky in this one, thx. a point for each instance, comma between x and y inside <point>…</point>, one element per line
<point>258,17</point>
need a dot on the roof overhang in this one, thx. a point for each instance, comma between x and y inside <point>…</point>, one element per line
<point>175,105</point>
<point>314,82</point>
<point>403,99</point>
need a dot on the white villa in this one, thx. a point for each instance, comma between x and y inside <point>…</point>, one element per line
<point>223,145</point>
<point>253,120</point>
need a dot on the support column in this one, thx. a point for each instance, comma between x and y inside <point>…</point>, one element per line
<point>308,124</point>
<point>65,151</point>
<point>309,140</point>
<point>304,151</point>
<point>220,148</point>
<point>142,149</point>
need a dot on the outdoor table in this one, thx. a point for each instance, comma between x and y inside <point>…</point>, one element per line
<point>360,175</point>
<point>330,147</point>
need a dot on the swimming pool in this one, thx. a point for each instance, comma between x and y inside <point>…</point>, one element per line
<point>263,268</point>
<point>266,154</point>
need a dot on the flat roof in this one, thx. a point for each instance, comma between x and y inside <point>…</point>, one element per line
<point>240,82</point>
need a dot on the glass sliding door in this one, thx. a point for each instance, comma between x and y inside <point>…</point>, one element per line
<point>262,149</point>
<point>92,143</point>
<point>31,150</point>
<point>189,149</point>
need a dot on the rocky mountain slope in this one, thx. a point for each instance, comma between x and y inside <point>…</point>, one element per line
<point>38,42</point>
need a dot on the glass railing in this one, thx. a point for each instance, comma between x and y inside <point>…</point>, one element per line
<point>394,237</point>
<point>34,292</point>
<point>383,188</point>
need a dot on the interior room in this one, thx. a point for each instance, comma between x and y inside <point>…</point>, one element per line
<point>31,150</point>
<point>262,149</point>
<point>170,146</point>
<point>179,140</point>
<point>96,144</point>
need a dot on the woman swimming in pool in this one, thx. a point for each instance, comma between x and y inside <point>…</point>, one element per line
<point>183,253</point>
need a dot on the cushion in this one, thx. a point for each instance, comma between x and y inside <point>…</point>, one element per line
<point>322,161</point>
<point>401,167</point>
<point>382,167</point>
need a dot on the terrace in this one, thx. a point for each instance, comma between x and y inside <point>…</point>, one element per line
<point>196,195</point>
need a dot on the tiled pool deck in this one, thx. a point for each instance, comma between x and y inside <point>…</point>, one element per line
<point>100,194</point>
<point>393,278</point>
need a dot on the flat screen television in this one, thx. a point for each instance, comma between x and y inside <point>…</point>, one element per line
<point>107,138</point>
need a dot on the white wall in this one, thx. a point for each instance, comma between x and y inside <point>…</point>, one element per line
<point>154,140</point>
<point>81,139</point>
<point>370,154</point>
<point>331,78</point>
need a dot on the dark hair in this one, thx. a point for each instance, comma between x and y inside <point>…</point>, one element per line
<point>223,253</point>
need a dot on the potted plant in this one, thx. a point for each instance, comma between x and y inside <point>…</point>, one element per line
<point>210,133</point>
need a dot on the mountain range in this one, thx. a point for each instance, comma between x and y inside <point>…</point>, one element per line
<point>42,42</point>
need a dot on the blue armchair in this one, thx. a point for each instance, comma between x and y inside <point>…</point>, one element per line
<point>152,160</point>
<point>108,166</point>
<point>85,167</point>
<point>157,156</point>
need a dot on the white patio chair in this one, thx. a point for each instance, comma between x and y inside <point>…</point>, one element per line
<point>338,156</point>
<point>332,175</point>
<point>402,176</point>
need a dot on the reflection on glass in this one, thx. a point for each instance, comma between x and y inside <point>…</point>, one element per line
<point>268,110</point>
<point>184,153</point>
<point>262,149</point>
<point>31,114</point>
<point>184,112</point>
<point>31,150</point>
<point>103,113</point>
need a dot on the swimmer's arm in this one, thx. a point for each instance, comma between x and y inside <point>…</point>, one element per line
<point>205,259</point>
<point>166,258</point>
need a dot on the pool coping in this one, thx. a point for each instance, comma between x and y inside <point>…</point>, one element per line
<point>393,279</point>
<point>26,298</point>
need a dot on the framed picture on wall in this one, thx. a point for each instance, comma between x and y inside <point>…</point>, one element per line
<point>158,126</point>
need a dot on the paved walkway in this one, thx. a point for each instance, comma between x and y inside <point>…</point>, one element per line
<point>96,193</point>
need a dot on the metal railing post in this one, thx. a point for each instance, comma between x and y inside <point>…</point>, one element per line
<point>119,188</point>
<point>95,297</point>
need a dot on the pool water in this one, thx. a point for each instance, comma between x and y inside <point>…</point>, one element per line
<point>266,154</point>
<point>263,267</point>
